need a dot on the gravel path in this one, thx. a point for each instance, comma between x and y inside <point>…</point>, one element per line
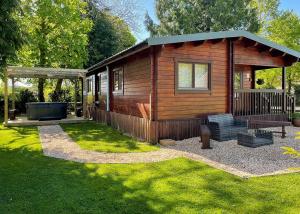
<point>56,143</point>
<point>227,156</point>
<point>262,160</point>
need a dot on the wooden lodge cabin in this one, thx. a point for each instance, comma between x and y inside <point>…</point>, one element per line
<point>164,87</point>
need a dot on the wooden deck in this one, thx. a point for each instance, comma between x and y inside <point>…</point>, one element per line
<point>23,121</point>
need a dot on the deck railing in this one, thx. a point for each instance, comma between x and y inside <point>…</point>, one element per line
<point>262,102</point>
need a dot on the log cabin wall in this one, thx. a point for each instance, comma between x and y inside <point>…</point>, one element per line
<point>174,105</point>
<point>254,56</point>
<point>245,71</point>
<point>135,98</point>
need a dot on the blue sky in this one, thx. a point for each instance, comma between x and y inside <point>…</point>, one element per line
<point>149,5</point>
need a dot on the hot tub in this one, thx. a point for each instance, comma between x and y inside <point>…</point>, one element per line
<point>46,111</point>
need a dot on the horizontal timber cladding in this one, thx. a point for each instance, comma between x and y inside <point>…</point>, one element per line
<point>252,56</point>
<point>174,105</point>
<point>135,99</point>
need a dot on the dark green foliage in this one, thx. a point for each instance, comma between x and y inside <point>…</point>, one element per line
<point>109,35</point>
<point>10,35</point>
<point>297,94</point>
<point>62,95</point>
<point>23,97</point>
<point>194,16</point>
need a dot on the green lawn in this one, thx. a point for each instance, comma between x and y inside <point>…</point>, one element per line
<point>102,138</point>
<point>32,183</point>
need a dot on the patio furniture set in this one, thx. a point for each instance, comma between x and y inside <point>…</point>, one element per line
<point>225,127</point>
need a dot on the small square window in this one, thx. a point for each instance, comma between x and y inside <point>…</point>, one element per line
<point>193,76</point>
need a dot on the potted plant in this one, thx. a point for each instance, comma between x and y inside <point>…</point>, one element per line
<point>296,119</point>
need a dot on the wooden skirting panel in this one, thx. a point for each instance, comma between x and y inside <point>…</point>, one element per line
<point>150,131</point>
<point>134,126</point>
<point>179,129</point>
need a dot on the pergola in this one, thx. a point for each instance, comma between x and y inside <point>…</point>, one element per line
<point>46,73</point>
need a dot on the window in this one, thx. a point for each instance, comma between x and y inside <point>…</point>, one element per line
<point>193,76</point>
<point>89,84</point>
<point>118,80</point>
<point>99,84</point>
<point>238,80</point>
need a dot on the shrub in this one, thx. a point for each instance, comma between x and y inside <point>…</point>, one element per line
<point>23,97</point>
<point>63,95</point>
<point>296,115</point>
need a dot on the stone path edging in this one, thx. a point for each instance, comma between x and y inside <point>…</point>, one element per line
<point>56,143</point>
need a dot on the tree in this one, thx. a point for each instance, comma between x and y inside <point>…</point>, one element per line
<point>10,34</point>
<point>109,35</point>
<point>56,34</point>
<point>285,30</point>
<point>267,10</point>
<point>193,16</point>
<point>127,10</point>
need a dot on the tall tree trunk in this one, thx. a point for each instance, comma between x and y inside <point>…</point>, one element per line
<point>58,85</point>
<point>42,49</point>
<point>41,84</point>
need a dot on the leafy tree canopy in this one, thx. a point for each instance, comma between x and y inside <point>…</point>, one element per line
<point>10,34</point>
<point>193,16</point>
<point>285,30</point>
<point>56,33</point>
<point>109,35</point>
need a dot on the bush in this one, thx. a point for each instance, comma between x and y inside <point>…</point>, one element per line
<point>63,95</point>
<point>23,97</point>
<point>296,115</point>
<point>297,94</point>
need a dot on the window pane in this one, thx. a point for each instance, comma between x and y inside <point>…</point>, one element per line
<point>237,80</point>
<point>201,76</point>
<point>185,75</point>
<point>116,80</point>
<point>121,80</point>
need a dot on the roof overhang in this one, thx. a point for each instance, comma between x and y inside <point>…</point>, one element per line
<point>47,73</point>
<point>234,35</point>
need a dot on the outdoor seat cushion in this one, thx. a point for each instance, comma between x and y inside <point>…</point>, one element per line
<point>221,119</point>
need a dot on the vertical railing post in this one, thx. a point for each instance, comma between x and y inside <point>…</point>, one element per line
<point>283,84</point>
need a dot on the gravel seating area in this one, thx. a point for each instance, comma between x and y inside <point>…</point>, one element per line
<point>261,160</point>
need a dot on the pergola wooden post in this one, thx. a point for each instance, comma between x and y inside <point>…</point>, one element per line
<point>46,73</point>
<point>5,98</point>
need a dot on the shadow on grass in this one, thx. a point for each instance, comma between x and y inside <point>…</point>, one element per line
<point>101,137</point>
<point>33,183</point>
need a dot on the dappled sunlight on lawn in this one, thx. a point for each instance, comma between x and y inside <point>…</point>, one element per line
<point>99,137</point>
<point>33,183</point>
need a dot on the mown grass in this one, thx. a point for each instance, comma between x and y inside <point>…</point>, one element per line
<point>33,183</point>
<point>102,138</point>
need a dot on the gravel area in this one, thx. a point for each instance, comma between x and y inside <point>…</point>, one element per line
<point>228,156</point>
<point>56,143</point>
<point>262,160</point>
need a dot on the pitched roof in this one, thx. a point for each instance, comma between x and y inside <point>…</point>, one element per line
<point>196,37</point>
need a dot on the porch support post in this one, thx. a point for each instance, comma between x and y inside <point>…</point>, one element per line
<point>253,78</point>
<point>75,95</point>
<point>283,84</point>
<point>5,98</point>
<point>108,90</point>
<point>230,46</point>
<point>84,97</point>
<point>153,129</point>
